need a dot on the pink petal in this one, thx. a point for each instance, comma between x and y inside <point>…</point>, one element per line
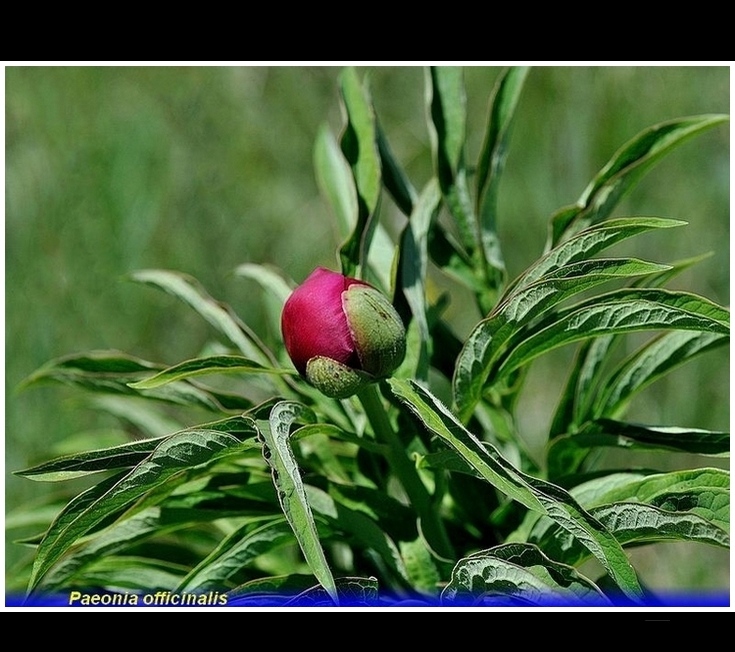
<point>313,321</point>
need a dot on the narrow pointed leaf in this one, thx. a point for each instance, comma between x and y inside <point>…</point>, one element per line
<point>172,456</point>
<point>291,493</point>
<point>531,492</point>
<point>624,311</point>
<point>625,169</point>
<point>236,552</point>
<point>657,358</point>
<point>447,113</point>
<point>335,180</point>
<point>413,269</point>
<point>490,337</point>
<point>567,452</point>
<point>125,455</point>
<point>359,146</point>
<point>492,160</point>
<point>394,178</point>
<point>218,315</point>
<point>589,242</point>
<point>216,364</point>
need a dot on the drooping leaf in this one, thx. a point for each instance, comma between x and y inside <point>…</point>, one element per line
<point>531,492</point>
<point>291,493</point>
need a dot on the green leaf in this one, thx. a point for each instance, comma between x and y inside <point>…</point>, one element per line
<point>491,163</point>
<point>175,454</point>
<point>658,357</point>
<point>124,455</point>
<point>113,540</point>
<point>447,112</point>
<point>420,567</point>
<point>277,290</point>
<point>566,452</point>
<point>642,507</point>
<point>491,336</point>
<point>291,493</point>
<point>622,311</point>
<point>531,492</point>
<point>72,466</point>
<point>589,242</point>
<point>215,364</point>
<point>625,169</point>
<point>519,574</point>
<point>111,372</point>
<point>354,591</point>
<point>413,270</point>
<point>394,178</point>
<point>132,574</point>
<point>138,413</point>
<point>632,523</point>
<point>236,552</point>
<point>334,176</point>
<point>704,492</point>
<point>359,145</point>
<point>218,315</point>
<point>363,529</point>
<point>579,390</point>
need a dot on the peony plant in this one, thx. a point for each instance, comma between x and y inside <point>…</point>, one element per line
<point>375,458</point>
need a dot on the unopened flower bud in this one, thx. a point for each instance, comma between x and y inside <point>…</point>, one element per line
<point>341,333</point>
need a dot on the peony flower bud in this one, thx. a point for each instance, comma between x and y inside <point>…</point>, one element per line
<point>341,333</point>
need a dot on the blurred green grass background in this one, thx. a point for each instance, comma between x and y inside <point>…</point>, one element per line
<point>200,169</point>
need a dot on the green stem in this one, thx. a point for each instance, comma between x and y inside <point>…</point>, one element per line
<point>403,467</point>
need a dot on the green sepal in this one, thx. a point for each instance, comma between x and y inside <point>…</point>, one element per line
<point>335,379</point>
<point>377,330</point>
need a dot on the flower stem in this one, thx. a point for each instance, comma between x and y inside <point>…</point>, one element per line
<point>403,467</point>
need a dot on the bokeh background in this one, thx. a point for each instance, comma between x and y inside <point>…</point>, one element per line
<point>200,169</point>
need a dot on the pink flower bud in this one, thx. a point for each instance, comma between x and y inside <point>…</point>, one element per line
<point>341,333</point>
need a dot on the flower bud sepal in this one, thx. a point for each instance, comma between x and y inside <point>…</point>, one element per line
<point>334,379</point>
<point>376,328</point>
